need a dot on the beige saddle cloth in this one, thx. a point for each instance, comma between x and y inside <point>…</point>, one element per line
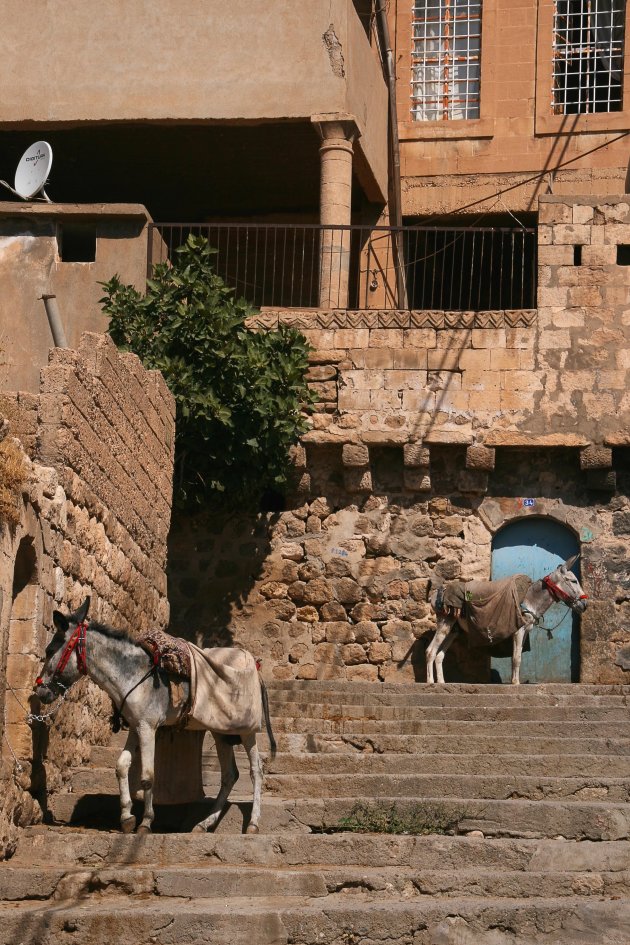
<point>225,692</point>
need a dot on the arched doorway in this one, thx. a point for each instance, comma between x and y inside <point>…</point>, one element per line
<point>535,546</point>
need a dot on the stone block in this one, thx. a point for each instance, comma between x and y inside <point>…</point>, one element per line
<point>596,457</point>
<point>408,359</point>
<point>355,454</point>
<point>571,233</point>
<point>357,479</point>
<point>386,338</point>
<point>416,480</point>
<point>489,338</point>
<point>339,632</point>
<point>420,338</point>
<point>352,654</point>
<point>416,455</point>
<point>480,457</point>
<point>477,360</point>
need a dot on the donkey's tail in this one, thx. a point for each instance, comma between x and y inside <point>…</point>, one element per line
<point>265,705</point>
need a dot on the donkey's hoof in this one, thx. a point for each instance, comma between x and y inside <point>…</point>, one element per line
<point>128,825</point>
<point>144,829</point>
<point>252,828</point>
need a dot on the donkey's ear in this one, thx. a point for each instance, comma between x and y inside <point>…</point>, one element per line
<point>83,610</point>
<point>60,621</point>
<point>569,564</point>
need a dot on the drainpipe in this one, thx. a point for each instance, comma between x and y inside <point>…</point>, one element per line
<point>54,320</point>
<point>387,60</point>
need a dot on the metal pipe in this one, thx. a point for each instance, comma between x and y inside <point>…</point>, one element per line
<point>387,59</point>
<point>54,320</point>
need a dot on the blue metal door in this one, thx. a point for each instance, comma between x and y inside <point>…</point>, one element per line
<point>535,546</point>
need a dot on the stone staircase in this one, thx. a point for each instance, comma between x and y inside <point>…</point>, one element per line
<point>523,794</point>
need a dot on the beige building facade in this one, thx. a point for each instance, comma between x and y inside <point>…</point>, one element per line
<point>471,367</point>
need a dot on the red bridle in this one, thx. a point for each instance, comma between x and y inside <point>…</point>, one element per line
<point>76,644</point>
<point>559,594</point>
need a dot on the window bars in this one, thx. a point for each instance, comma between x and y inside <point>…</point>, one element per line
<point>445,59</point>
<point>588,41</point>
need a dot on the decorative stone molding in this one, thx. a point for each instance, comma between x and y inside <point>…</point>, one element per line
<point>344,318</point>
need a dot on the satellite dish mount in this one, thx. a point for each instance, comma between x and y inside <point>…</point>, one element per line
<point>31,174</point>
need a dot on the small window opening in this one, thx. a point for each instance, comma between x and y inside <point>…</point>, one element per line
<point>77,242</point>
<point>623,255</point>
<point>577,255</point>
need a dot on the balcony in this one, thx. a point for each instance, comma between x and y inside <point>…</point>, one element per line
<point>296,266</point>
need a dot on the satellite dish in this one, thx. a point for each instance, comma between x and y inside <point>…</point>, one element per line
<point>33,170</point>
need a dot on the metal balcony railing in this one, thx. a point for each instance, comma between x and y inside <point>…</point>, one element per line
<point>281,265</point>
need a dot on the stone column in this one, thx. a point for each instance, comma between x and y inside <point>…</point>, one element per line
<point>335,207</point>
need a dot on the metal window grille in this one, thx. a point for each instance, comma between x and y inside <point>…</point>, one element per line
<point>446,59</point>
<point>588,41</point>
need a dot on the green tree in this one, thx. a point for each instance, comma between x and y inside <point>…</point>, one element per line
<point>241,396</point>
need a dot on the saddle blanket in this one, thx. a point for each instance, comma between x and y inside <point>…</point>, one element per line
<point>491,608</point>
<point>225,694</point>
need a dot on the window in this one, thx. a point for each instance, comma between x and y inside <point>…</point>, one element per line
<point>445,59</point>
<point>588,38</point>
<point>77,242</point>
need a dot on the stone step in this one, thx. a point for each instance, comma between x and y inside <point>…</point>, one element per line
<point>318,711</point>
<point>79,848</point>
<point>474,786</point>
<point>560,765</point>
<point>572,819</point>
<point>347,918</point>
<point>468,689</point>
<point>556,729</point>
<point>468,742</point>
<point>387,785</point>
<point>509,697</point>
<point>217,880</point>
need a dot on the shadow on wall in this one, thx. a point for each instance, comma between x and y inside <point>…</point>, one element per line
<point>213,562</point>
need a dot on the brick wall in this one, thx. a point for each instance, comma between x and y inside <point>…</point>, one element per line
<point>94,520</point>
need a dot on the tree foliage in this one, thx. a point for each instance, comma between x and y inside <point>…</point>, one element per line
<point>241,396</point>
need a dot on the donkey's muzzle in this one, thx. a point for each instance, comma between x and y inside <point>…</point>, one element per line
<point>580,605</point>
<point>44,694</point>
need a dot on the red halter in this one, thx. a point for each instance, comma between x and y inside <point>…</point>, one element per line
<point>76,644</point>
<point>559,594</point>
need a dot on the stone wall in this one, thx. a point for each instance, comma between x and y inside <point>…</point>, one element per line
<point>94,520</point>
<point>336,586</point>
<point>556,375</point>
<point>432,427</point>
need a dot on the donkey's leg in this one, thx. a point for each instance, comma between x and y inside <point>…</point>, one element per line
<point>229,777</point>
<point>256,773</point>
<point>127,820</point>
<point>442,630</point>
<point>146,737</point>
<point>517,652</point>
<point>439,658</point>
<point>517,648</point>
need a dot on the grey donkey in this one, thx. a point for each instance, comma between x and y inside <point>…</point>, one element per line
<point>559,585</point>
<point>122,668</point>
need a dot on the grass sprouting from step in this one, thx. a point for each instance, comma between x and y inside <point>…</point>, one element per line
<point>388,818</point>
